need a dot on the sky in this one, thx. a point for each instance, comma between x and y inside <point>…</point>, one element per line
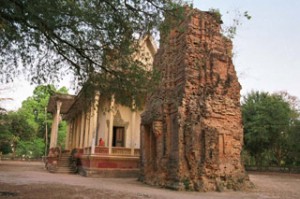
<point>266,48</point>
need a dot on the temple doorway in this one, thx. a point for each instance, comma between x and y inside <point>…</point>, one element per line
<point>118,136</point>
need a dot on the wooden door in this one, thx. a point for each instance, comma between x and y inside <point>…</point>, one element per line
<point>119,137</point>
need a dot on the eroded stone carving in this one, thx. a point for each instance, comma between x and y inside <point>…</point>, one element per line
<point>157,127</point>
<point>191,131</point>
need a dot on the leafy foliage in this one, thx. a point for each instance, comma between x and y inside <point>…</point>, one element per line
<point>293,155</point>
<point>217,14</point>
<point>52,37</point>
<point>268,121</point>
<point>5,135</point>
<point>23,132</point>
<point>34,107</point>
<point>31,149</point>
<point>230,31</point>
<point>14,128</point>
<point>20,127</point>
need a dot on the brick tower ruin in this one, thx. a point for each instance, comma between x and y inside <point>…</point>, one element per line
<point>192,132</point>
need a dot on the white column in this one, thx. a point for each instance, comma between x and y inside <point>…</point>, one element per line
<point>79,131</point>
<point>87,128</point>
<point>91,126</point>
<point>111,124</point>
<point>94,116</point>
<point>54,128</point>
<point>70,144</point>
<point>67,136</point>
<point>74,133</point>
<point>76,137</point>
<point>133,118</point>
<point>81,144</point>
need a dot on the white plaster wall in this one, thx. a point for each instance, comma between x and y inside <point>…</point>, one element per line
<point>137,143</point>
<point>126,116</point>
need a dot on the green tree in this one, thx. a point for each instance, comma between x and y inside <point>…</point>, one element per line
<point>20,127</point>
<point>34,108</point>
<point>286,149</point>
<point>267,119</point>
<point>13,128</point>
<point>21,132</point>
<point>31,149</point>
<point>293,156</point>
<point>80,37</point>
<point>5,134</point>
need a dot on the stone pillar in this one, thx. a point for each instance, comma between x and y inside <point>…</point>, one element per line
<point>79,131</point>
<point>67,136</point>
<point>70,144</point>
<point>111,124</point>
<point>78,127</point>
<point>94,117</point>
<point>74,133</point>
<point>133,118</point>
<point>91,124</point>
<point>81,144</point>
<point>157,127</point>
<point>87,128</point>
<point>54,128</point>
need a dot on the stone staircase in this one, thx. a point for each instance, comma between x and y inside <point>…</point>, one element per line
<point>65,165</point>
<point>62,165</point>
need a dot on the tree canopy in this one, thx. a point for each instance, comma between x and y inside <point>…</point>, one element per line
<point>271,127</point>
<point>53,37</point>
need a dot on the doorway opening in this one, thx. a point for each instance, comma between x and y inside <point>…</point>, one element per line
<point>118,136</point>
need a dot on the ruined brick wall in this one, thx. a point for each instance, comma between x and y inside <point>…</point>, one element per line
<point>192,133</point>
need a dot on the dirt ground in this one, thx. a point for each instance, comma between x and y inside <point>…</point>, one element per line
<point>30,180</point>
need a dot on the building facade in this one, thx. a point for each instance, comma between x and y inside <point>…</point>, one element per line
<point>102,135</point>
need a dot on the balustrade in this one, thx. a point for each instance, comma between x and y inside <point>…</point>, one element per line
<point>121,151</point>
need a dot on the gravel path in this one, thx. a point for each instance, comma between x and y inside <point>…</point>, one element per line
<point>30,180</point>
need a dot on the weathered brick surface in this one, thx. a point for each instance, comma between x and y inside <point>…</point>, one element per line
<point>192,133</point>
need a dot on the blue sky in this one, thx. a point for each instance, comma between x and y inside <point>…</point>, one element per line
<point>266,48</point>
